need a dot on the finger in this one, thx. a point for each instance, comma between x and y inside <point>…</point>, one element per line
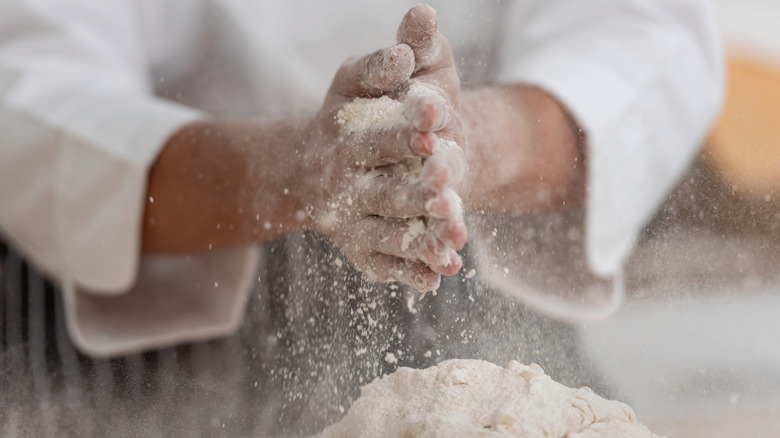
<point>396,196</point>
<point>452,233</point>
<point>374,148</point>
<point>419,29</point>
<point>446,219</point>
<point>433,54</point>
<point>424,143</point>
<point>376,74</point>
<point>446,205</point>
<point>392,197</point>
<point>445,168</point>
<point>413,240</point>
<point>425,107</point>
<point>387,269</point>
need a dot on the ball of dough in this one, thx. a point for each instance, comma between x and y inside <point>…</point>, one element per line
<point>473,398</point>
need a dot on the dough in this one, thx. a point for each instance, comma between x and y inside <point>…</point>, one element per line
<point>473,398</point>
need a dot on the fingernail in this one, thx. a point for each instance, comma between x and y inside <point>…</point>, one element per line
<point>451,265</point>
<point>452,233</point>
<point>424,143</point>
<point>457,234</point>
<point>427,282</point>
<point>438,207</point>
<point>436,177</point>
<point>427,112</point>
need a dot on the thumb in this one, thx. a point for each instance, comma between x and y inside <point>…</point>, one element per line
<point>419,29</point>
<point>375,74</point>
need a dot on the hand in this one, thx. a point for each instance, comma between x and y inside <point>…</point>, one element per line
<point>432,99</point>
<point>524,151</point>
<point>358,192</point>
<point>225,183</point>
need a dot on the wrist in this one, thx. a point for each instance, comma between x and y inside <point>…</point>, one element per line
<point>224,183</point>
<point>279,168</point>
<point>524,149</point>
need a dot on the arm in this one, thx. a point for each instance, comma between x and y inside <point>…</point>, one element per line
<point>643,79</point>
<point>603,98</point>
<point>222,184</point>
<point>227,183</point>
<point>524,151</point>
<point>80,128</point>
<point>527,154</point>
<point>87,133</point>
<point>626,88</point>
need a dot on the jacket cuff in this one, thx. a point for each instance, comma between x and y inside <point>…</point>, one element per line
<point>102,183</point>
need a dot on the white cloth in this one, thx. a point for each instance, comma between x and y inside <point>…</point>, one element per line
<point>91,89</point>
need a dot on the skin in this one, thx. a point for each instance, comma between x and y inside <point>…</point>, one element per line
<point>225,183</point>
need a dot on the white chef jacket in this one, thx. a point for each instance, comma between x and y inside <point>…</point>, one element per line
<point>91,89</point>
<point>750,29</point>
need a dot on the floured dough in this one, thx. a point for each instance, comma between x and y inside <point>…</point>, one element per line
<point>473,398</point>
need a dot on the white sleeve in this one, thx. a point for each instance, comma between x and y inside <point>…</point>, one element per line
<point>80,129</point>
<point>643,78</point>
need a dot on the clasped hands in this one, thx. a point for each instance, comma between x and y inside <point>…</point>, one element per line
<point>385,195</point>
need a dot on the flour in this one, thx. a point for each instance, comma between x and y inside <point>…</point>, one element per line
<point>472,398</point>
<point>390,358</point>
<point>416,227</point>
<point>363,115</point>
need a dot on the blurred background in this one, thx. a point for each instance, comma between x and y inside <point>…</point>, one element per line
<point>694,348</point>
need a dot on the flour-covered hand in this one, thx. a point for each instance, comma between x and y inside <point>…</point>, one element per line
<point>369,179</point>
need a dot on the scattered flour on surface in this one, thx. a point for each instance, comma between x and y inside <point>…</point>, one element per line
<point>473,398</point>
<point>361,115</point>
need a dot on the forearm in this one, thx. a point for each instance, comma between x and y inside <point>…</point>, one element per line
<point>525,152</point>
<point>224,183</point>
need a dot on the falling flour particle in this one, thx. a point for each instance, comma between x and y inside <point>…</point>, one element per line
<point>471,273</point>
<point>472,398</point>
<point>390,358</point>
<point>433,292</point>
<point>410,304</point>
<point>361,115</point>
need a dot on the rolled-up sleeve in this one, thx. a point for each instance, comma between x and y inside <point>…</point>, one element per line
<point>79,129</point>
<point>643,78</point>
